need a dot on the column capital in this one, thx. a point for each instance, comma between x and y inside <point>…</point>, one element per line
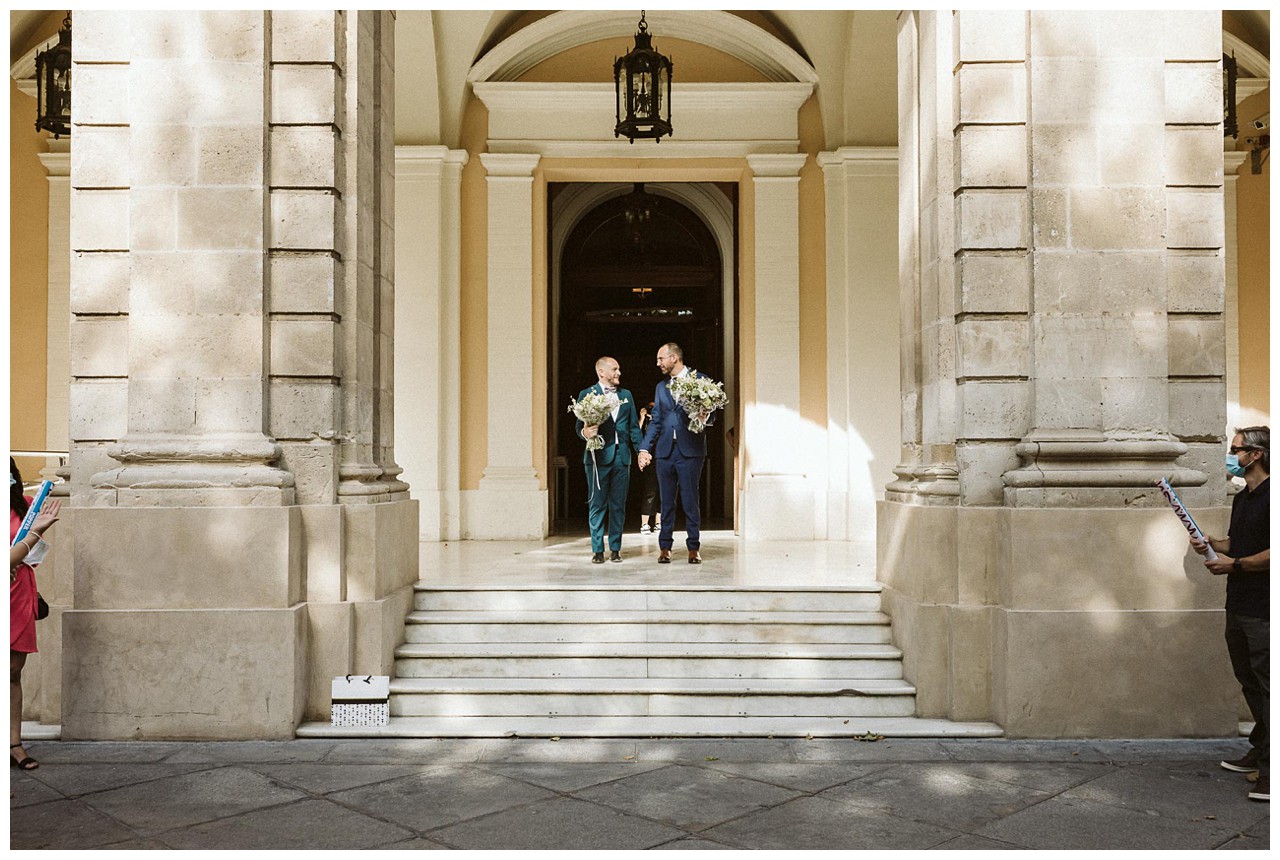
<point>864,160</point>
<point>412,156</point>
<point>509,164</point>
<point>777,166</point>
<point>1231,161</point>
<point>57,160</point>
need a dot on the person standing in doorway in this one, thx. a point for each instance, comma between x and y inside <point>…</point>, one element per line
<point>648,482</point>
<point>609,468</point>
<point>1245,558</point>
<point>679,454</point>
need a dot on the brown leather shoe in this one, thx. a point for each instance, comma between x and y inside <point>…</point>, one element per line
<point>664,556</point>
<point>694,558</point>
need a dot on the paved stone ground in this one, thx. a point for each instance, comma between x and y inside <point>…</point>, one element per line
<point>629,794</point>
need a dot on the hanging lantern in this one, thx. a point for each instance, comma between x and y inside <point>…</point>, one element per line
<point>1230,73</point>
<point>642,82</point>
<point>53,84</point>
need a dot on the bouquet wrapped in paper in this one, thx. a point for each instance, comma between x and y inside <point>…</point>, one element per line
<point>698,396</point>
<point>593,410</point>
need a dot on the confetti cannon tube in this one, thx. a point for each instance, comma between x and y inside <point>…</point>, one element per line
<point>1181,511</point>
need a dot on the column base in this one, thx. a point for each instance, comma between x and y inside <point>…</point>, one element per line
<point>778,507</point>
<point>238,674</point>
<point>1019,616</point>
<point>505,510</point>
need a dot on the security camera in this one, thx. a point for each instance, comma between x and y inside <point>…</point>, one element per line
<point>1262,122</point>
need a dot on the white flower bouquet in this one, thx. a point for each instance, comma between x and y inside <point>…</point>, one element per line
<point>593,410</point>
<point>698,396</point>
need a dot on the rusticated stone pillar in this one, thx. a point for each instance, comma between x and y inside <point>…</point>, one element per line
<point>1062,279</point>
<point>229,297</point>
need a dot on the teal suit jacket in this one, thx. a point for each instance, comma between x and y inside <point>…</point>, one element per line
<point>627,429</point>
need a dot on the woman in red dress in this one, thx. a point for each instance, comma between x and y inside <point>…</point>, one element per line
<point>22,606</point>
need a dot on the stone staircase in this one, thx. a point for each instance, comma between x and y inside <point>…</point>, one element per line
<point>630,660</point>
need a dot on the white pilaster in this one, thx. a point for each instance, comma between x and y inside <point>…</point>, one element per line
<point>1231,162</point>
<point>862,296</point>
<point>428,298</point>
<point>510,502</point>
<point>778,499</point>
<point>57,163</point>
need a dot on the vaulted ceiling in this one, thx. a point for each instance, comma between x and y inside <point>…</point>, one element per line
<point>852,53</point>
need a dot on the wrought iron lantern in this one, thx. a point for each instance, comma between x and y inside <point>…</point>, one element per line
<point>1230,72</point>
<point>642,83</point>
<point>53,84</point>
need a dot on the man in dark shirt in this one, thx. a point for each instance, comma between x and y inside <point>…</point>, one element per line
<point>1245,558</point>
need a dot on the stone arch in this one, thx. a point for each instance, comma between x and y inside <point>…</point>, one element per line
<point>527,47</point>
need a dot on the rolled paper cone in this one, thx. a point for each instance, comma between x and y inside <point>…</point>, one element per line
<point>1180,509</point>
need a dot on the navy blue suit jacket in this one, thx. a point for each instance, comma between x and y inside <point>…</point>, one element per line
<point>627,429</point>
<point>669,429</point>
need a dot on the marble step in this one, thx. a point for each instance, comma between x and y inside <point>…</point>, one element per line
<point>639,599</point>
<point>647,660</point>
<point>702,626</point>
<point>490,697</point>
<point>656,727</point>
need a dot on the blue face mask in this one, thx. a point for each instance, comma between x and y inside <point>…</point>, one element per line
<point>1234,467</point>
<point>12,479</point>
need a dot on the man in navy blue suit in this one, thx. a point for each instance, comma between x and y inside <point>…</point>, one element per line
<point>609,468</point>
<point>678,454</point>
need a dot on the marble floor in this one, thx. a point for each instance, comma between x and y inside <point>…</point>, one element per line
<point>728,562</point>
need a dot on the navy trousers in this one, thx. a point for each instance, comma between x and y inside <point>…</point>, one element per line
<point>678,474</point>
<point>607,502</point>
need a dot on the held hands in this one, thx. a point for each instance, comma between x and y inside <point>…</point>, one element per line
<point>644,459</point>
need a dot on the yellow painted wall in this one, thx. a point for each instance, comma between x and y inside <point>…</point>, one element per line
<point>594,63</point>
<point>28,268</point>
<point>1253,232</point>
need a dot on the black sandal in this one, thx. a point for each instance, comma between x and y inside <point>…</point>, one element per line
<point>27,763</point>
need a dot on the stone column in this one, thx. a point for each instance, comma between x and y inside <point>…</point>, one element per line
<point>1082,163</point>
<point>778,498</point>
<point>862,296</point>
<point>214,318</point>
<point>510,502</point>
<point>927,472</point>
<point>428,381</point>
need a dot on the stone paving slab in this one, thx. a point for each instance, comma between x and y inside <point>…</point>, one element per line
<point>299,825</point>
<point>439,796</point>
<point>564,823</point>
<point>569,776</point>
<point>163,804</point>
<point>1076,824</point>
<point>667,794</point>
<point>812,823</point>
<point>936,794</point>
<point>687,797</point>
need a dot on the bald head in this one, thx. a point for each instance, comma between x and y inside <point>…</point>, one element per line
<point>607,371</point>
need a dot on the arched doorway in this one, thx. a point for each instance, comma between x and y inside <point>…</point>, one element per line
<point>636,269</point>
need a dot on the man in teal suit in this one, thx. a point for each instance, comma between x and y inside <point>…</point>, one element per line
<point>609,468</point>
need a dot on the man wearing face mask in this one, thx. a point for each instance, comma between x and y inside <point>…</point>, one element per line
<point>1245,558</point>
